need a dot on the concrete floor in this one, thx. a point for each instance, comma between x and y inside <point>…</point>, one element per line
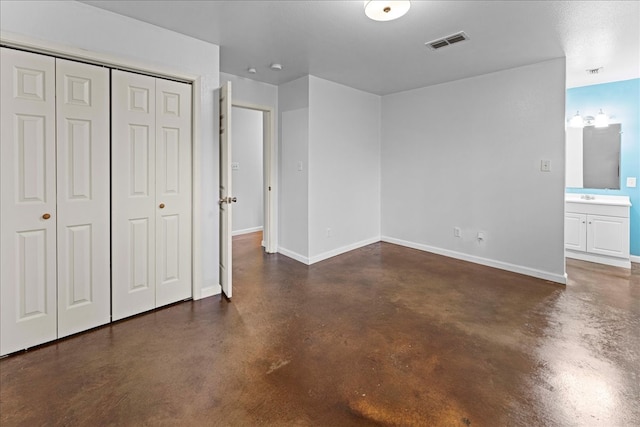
<point>383,335</point>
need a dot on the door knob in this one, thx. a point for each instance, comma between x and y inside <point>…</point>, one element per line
<point>161,206</point>
<point>46,216</point>
<point>228,200</point>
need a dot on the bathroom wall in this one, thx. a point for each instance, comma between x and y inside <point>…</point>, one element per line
<point>621,101</point>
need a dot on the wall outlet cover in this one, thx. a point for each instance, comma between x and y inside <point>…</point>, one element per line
<point>631,181</point>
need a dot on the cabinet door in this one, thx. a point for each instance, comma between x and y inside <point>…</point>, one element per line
<point>173,191</point>
<point>608,235</point>
<point>133,204</point>
<point>575,231</point>
<point>27,200</point>
<point>82,109</point>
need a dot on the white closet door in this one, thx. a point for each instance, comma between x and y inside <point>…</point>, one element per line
<point>173,191</point>
<point>133,191</point>
<point>82,108</point>
<point>27,200</point>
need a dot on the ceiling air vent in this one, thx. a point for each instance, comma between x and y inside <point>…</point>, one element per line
<point>446,41</point>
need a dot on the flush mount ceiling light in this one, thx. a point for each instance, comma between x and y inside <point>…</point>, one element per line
<point>252,70</point>
<point>276,67</point>
<point>381,10</point>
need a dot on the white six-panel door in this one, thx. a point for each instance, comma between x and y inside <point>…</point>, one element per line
<point>82,109</point>
<point>173,192</point>
<point>133,205</point>
<point>226,195</point>
<point>27,201</point>
<point>151,193</point>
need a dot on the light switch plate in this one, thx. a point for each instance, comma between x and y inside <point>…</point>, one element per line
<point>631,181</point>
<point>299,165</point>
<point>545,165</point>
<point>235,166</point>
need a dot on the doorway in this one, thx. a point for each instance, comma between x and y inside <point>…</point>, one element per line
<point>252,172</point>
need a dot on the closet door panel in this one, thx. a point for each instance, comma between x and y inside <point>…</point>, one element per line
<point>82,105</point>
<point>27,201</point>
<point>133,206</point>
<point>173,191</point>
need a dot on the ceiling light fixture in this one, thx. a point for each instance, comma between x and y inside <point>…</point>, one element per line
<point>252,70</point>
<point>276,67</point>
<point>386,10</point>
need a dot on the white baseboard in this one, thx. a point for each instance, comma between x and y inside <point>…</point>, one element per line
<point>343,249</point>
<point>600,259</point>
<point>326,255</point>
<point>558,278</point>
<point>246,231</point>
<point>210,291</point>
<point>293,255</point>
<point>635,258</point>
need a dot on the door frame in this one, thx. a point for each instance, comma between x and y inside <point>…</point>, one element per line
<point>269,231</point>
<point>30,44</point>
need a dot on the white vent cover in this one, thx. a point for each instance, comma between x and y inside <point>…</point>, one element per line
<point>447,41</point>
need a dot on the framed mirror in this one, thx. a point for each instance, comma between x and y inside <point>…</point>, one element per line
<point>593,157</point>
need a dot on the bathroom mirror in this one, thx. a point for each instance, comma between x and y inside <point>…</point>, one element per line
<point>593,157</point>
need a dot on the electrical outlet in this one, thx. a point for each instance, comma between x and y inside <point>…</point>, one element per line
<point>456,232</point>
<point>631,181</point>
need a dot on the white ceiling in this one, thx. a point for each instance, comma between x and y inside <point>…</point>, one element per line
<point>334,40</point>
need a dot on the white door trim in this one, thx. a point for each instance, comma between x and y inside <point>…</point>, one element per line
<point>31,44</point>
<point>269,160</point>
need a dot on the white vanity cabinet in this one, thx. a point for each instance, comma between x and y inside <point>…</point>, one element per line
<point>597,229</point>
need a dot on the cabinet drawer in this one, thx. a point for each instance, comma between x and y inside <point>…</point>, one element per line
<point>595,209</point>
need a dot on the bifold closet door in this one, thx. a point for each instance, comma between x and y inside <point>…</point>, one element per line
<point>27,200</point>
<point>83,221</point>
<point>173,191</point>
<point>54,208</point>
<point>151,193</point>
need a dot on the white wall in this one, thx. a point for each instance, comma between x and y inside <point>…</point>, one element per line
<point>293,221</point>
<point>252,92</point>
<point>246,154</point>
<point>344,169</point>
<point>467,154</point>
<point>78,25</point>
<point>574,155</point>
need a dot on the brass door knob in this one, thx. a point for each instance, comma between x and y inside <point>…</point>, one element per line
<point>161,206</point>
<point>46,216</point>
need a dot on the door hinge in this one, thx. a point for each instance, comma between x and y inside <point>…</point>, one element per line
<point>269,188</point>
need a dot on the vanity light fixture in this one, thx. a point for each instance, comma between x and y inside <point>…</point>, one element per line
<point>601,120</point>
<point>576,121</point>
<point>386,10</point>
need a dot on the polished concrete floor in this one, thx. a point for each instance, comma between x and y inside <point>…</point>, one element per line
<point>383,335</point>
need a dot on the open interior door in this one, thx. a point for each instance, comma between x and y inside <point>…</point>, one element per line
<point>226,198</point>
